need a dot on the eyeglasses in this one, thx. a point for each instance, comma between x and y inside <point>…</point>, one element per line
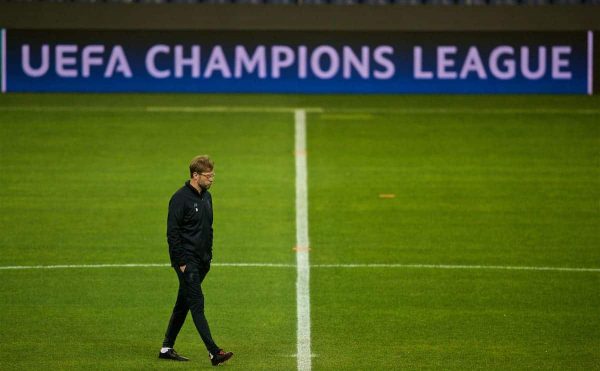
<point>208,175</point>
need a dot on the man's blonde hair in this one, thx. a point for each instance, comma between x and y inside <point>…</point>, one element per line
<point>201,164</point>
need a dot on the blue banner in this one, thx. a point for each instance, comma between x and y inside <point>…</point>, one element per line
<point>297,62</point>
<point>2,60</point>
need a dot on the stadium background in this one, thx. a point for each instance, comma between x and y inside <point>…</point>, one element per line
<point>447,232</point>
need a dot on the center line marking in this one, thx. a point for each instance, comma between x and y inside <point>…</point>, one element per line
<point>302,262</point>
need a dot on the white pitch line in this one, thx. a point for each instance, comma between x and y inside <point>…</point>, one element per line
<point>138,265</point>
<point>81,109</point>
<point>158,109</point>
<point>450,266</point>
<point>84,266</point>
<point>230,109</point>
<point>302,246</point>
<point>283,265</point>
<point>465,111</point>
<point>259,265</point>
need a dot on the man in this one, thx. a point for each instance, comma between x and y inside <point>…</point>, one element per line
<point>190,237</point>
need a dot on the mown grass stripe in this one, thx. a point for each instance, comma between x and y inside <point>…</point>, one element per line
<point>282,265</point>
<point>330,110</point>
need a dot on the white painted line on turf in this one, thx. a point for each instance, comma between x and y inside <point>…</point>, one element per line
<point>467,111</point>
<point>230,109</point>
<point>590,37</point>
<point>302,245</point>
<point>449,266</point>
<point>278,265</point>
<point>283,265</point>
<point>136,265</point>
<point>160,109</point>
<point>266,265</point>
<point>71,266</point>
<point>82,109</point>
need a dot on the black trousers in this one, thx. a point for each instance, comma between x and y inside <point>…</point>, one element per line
<point>190,298</point>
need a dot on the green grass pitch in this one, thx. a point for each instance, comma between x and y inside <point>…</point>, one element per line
<point>506,181</point>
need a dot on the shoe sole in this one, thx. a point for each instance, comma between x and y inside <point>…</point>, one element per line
<point>223,361</point>
<point>174,359</point>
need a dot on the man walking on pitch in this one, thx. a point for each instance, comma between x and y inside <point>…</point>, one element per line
<point>190,237</point>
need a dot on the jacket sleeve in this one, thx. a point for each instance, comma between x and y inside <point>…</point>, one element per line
<point>174,223</point>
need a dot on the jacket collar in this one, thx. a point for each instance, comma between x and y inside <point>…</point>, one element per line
<point>191,188</point>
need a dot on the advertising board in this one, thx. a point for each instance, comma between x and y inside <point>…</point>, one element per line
<point>297,62</point>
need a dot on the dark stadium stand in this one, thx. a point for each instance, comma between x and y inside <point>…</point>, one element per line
<point>334,2</point>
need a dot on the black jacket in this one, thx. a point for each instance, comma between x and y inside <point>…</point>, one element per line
<point>189,226</point>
